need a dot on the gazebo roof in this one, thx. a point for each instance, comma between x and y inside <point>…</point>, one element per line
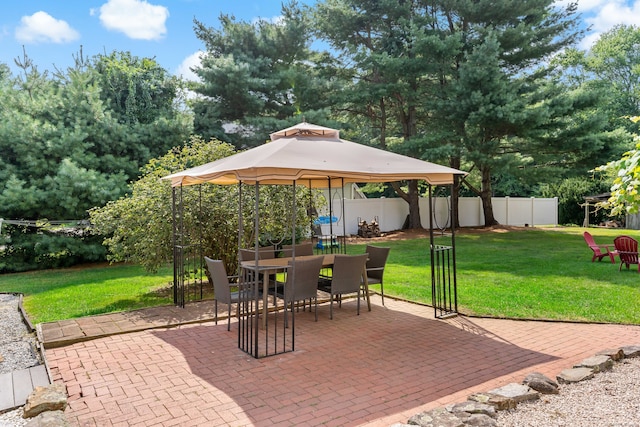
<point>312,155</point>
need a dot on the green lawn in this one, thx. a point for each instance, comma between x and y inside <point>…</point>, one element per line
<point>535,273</point>
<point>51,295</point>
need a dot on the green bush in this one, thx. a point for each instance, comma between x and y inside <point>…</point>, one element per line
<point>570,193</point>
<point>31,248</point>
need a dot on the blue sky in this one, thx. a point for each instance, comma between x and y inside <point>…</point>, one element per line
<point>52,31</point>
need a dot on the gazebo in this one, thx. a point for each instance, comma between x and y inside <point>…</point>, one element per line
<point>316,157</point>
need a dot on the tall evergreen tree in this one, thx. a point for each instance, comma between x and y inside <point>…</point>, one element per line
<point>378,46</point>
<point>257,78</point>
<point>66,147</point>
<point>459,78</point>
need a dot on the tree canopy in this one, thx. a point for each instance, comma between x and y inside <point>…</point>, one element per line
<point>625,191</point>
<point>258,77</point>
<point>138,226</point>
<point>73,141</point>
<point>460,80</point>
<point>496,88</point>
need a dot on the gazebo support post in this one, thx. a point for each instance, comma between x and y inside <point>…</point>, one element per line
<point>284,290</point>
<point>342,243</point>
<point>200,257</point>
<point>444,294</point>
<point>268,337</point>
<point>344,222</point>
<point>179,248</point>
<point>188,268</point>
<point>330,215</point>
<point>454,208</point>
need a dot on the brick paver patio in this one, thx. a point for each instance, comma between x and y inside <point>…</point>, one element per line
<point>374,369</point>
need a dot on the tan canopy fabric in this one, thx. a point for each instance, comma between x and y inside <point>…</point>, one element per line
<point>312,155</point>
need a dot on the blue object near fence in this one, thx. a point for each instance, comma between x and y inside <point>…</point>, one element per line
<point>324,239</point>
<point>326,220</point>
<point>325,242</point>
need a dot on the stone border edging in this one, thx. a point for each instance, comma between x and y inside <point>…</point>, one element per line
<point>25,318</point>
<point>480,408</point>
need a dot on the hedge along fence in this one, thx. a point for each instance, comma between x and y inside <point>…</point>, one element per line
<point>33,245</point>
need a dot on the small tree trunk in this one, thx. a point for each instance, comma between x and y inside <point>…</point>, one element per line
<point>414,205</point>
<point>485,195</point>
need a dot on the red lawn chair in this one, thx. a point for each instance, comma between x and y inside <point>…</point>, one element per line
<point>597,251</point>
<point>627,248</point>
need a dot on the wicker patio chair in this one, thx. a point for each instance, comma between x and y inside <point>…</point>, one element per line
<point>222,288</point>
<point>302,283</point>
<point>375,266</point>
<point>301,249</point>
<point>347,277</point>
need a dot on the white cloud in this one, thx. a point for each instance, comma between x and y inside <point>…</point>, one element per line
<point>607,14</point>
<point>184,69</point>
<point>615,13</point>
<point>43,28</point>
<point>584,5</point>
<point>137,19</point>
<point>602,15</point>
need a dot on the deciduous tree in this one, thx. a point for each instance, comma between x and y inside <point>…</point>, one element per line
<point>138,226</point>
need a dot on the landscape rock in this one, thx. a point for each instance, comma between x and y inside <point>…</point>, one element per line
<point>472,407</point>
<point>541,383</point>
<point>596,363</point>
<point>477,420</point>
<point>574,375</point>
<point>48,419</point>
<point>480,409</point>
<point>518,392</point>
<point>49,398</point>
<point>631,351</point>
<point>615,354</point>
<point>438,417</point>
<point>501,403</point>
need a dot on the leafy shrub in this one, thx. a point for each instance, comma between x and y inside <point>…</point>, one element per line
<point>34,248</point>
<point>571,193</point>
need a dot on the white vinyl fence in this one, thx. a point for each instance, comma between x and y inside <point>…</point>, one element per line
<point>392,213</point>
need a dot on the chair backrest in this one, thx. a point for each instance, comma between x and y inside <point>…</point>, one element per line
<point>627,248</point>
<point>347,273</point>
<point>302,278</point>
<point>218,275</point>
<point>301,249</point>
<point>589,239</point>
<point>250,254</point>
<point>377,259</point>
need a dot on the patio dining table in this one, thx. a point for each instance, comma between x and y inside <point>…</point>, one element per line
<point>275,265</point>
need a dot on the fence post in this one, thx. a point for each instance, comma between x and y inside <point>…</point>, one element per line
<point>506,208</point>
<point>533,204</point>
